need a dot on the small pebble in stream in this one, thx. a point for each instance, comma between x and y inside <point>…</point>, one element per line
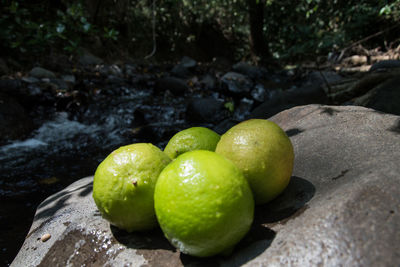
<point>45,237</point>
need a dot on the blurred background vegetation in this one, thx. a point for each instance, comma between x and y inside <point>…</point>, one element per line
<point>255,30</point>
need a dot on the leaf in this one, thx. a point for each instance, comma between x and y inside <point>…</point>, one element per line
<point>60,28</point>
<point>15,44</point>
<point>384,10</point>
<point>229,106</point>
<point>86,27</point>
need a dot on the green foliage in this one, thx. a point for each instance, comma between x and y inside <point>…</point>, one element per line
<point>293,29</point>
<point>111,34</point>
<point>299,28</point>
<point>70,27</point>
<point>230,106</point>
<point>391,10</point>
<point>36,28</point>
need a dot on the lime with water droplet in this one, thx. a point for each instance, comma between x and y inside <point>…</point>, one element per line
<point>123,186</point>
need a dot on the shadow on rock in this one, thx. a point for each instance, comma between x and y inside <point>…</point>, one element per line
<point>330,111</point>
<point>60,200</point>
<point>156,248</point>
<point>257,240</point>
<point>290,204</point>
<point>153,239</point>
<point>293,132</point>
<point>396,127</point>
<point>48,208</point>
<point>191,261</point>
<point>152,245</point>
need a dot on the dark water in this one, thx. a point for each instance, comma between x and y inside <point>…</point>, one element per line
<point>70,144</point>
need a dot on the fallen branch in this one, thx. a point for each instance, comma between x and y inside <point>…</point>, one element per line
<point>365,39</point>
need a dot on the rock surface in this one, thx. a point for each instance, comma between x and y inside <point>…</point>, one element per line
<point>385,64</point>
<point>175,85</point>
<point>341,208</point>
<point>236,83</point>
<point>251,71</point>
<point>89,59</point>
<point>205,110</point>
<point>183,69</point>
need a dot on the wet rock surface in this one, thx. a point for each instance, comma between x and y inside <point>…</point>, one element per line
<point>203,110</point>
<point>236,83</point>
<point>175,85</point>
<point>341,208</point>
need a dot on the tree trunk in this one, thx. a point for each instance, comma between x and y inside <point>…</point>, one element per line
<point>259,45</point>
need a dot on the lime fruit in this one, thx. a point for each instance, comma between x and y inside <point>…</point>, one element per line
<point>195,138</point>
<point>264,153</point>
<point>203,203</point>
<point>123,186</point>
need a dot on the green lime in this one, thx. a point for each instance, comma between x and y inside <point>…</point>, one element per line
<point>203,203</point>
<point>263,151</point>
<point>195,138</point>
<point>123,186</point>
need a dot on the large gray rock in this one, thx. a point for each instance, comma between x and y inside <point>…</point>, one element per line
<point>39,73</point>
<point>341,208</point>
<point>251,71</point>
<point>88,58</point>
<point>203,110</point>
<point>183,69</point>
<point>385,64</point>
<point>236,83</point>
<point>175,85</point>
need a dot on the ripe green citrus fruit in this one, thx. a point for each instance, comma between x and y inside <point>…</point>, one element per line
<point>123,186</point>
<point>203,203</point>
<point>263,151</point>
<point>195,138</point>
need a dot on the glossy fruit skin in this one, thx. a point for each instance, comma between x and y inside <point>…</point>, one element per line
<point>264,153</point>
<point>203,203</point>
<point>195,138</point>
<point>123,186</point>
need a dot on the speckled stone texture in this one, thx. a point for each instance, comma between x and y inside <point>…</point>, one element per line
<point>341,208</point>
